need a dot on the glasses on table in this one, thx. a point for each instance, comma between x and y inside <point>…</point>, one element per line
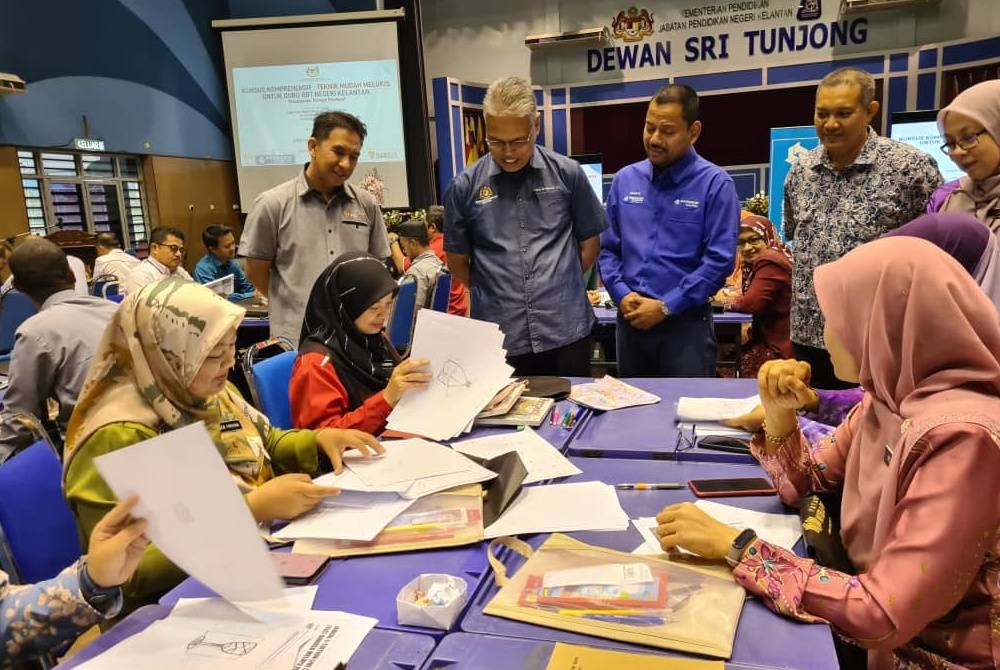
<point>503,145</point>
<point>965,143</point>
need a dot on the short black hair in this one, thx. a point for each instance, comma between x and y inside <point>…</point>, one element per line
<point>435,217</point>
<point>215,232</point>
<point>326,122</point>
<point>414,229</point>
<point>160,234</point>
<point>108,240</point>
<point>40,269</point>
<point>683,95</point>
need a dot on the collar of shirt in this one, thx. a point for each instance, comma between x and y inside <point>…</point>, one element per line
<point>159,266</point>
<point>302,187</point>
<point>216,263</point>
<point>58,297</point>
<point>426,254</point>
<point>674,172</point>
<point>867,156</point>
<point>535,162</point>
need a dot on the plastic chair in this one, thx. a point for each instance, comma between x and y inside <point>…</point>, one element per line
<point>442,292</point>
<point>271,378</point>
<point>38,534</point>
<point>15,309</point>
<point>116,297</point>
<point>404,310</point>
<point>100,284</point>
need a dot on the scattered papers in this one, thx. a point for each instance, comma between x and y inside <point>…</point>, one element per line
<point>223,286</point>
<point>714,409</point>
<point>331,520</point>
<point>468,367</point>
<point>542,460</point>
<point>196,515</point>
<point>782,530</point>
<point>293,599</point>
<point>418,468</point>
<point>561,508</point>
<point>608,393</point>
<point>215,634</point>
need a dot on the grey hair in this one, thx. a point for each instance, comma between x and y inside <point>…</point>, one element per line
<point>847,76</point>
<point>510,96</point>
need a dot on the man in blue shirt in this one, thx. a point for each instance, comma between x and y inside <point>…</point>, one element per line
<point>220,262</point>
<point>521,227</point>
<point>671,243</point>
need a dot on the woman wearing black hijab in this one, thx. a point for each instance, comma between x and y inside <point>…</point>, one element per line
<point>345,375</point>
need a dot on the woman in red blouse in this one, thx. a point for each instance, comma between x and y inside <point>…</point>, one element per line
<point>767,294</point>
<point>346,374</point>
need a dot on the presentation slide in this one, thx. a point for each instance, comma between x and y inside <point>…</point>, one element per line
<point>594,178</point>
<point>280,78</point>
<point>276,105</point>
<point>924,135</point>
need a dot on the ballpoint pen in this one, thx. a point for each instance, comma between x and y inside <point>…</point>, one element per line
<point>642,486</point>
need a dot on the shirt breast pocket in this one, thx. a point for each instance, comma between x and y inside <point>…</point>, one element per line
<point>685,230</point>
<point>354,233</point>
<point>554,205</point>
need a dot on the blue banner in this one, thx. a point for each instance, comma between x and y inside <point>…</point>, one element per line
<point>787,144</point>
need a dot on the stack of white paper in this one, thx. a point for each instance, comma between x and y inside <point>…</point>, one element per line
<point>698,410</point>
<point>353,515</point>
<point>542,460</point>
<point>782,530</point>
<point>468,367</point>
<point>561,508</point>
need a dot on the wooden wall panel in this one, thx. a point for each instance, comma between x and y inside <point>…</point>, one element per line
<point>190,194</point>
<point>13,213</point>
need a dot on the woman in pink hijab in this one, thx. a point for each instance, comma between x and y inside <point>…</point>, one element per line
<point>970,126</point>
<point>917,461</point>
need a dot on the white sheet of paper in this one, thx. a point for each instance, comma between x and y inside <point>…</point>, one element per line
<point>223,286</point>
<point>468,367</point>
<point>611,574</point>
<point>294,599</point>
<point>650,542</point>
<point>302,641</point>
<point>330,521</point>
<point>714,409</point>
<point>407,461</point>
<point>561,508</point>
<point>542,460</point>
<point>196,514</point>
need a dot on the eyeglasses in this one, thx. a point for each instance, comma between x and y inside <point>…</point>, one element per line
<point>502,145</point>
<point>967,143</point>
<point>750,241</point>
<point>174,249</point>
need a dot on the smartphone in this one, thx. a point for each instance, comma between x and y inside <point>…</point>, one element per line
<point>733,445</point>
<point>717,488</point>
<point>299,569</point>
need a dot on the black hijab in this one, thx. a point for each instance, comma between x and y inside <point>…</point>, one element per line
<point>351,284</point>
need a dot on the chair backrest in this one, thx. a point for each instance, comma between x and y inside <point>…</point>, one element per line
<point>100,283</point>
<point>15,309</point>
<point>404,310</point>
<point>38,534</point>
<point>442,292</point>
<point>271,378</point>
<point>254,354</point>
<point>110,289</point>
<point>116,297</point>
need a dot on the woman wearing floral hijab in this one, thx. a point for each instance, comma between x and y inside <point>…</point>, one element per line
<point>163,364</point>
<point>909,324</point>
<point>767,294</point>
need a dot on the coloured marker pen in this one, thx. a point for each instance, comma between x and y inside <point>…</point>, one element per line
<point>642,486</point>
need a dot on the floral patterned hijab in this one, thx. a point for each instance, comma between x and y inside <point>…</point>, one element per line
<point>777,251</point>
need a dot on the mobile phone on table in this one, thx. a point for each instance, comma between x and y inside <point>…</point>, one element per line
<point>733,445</point>
<point>299,569</point>
<point>738,486</point>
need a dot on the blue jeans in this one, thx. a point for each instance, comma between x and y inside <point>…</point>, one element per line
<point>683,345</point>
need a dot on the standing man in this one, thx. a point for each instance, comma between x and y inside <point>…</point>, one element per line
<point>295,229</point>
<point>853,188</point>
<point>521,227</point>
<point>111,260</point>
<point>166,253</point>
<point>424,265</point>
<point>220,261</point>
<point>670,246</point>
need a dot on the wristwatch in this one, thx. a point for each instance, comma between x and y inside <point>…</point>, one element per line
<point>666,310</point>
<point>107,601</point>
<point>739,545</point>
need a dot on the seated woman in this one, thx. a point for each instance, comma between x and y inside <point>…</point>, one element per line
<point>163,364</point>
<point>45,618</point>
<point>971,129</point>
<point>766,293</point>
<point>909,324</point>
<point>344,376</point>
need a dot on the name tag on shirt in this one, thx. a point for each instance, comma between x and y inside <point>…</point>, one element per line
<point>687,204</point>
<point>229,426</point>
<point>634,198</point>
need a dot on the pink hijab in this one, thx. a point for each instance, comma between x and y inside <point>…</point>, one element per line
<point>924,336</point>
<point>981,103</point>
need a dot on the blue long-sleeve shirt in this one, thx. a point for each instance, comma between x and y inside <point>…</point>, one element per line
<point>672,233</point>
<point>210,268</point>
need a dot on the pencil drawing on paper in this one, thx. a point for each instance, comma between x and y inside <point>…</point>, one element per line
<point>221,644</point>
<point>453,376</point>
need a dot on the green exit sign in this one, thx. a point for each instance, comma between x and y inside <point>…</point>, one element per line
<point>88,144</point>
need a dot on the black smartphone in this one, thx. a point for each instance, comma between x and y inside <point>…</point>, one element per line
<point>739,486</point>
<point>299,569</point>
<point>733,445</point>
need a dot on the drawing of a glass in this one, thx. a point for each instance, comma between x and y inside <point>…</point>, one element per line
<point>220,644</point>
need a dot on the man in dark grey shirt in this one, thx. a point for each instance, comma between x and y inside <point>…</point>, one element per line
<point>521,228</point>
<point>52,349</point>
